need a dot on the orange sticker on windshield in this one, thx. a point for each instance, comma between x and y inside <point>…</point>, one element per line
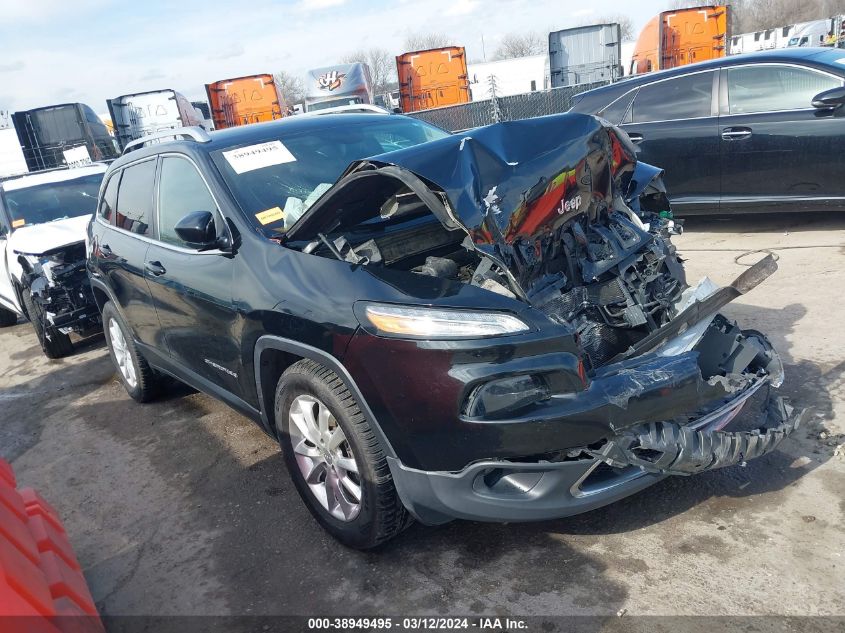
<point>270,215</point>
<point>17,223</point>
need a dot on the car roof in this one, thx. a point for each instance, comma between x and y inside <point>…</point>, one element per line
<point>820,56</point>
<point>255,133</point>
<point>47,176</point>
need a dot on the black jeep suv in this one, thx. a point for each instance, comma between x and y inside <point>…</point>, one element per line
<point>491,325</point>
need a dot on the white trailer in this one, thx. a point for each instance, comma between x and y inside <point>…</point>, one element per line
<point>511,76</point>
<point>585,54</point>
<point>341,85</point>
<point>144,113</point>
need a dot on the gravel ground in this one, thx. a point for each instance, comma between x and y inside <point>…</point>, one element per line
<point>183,507</point>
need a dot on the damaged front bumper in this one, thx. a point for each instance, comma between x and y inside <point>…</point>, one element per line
<point>58,284</point>
<point>503,490</point>
<point>665,416</point>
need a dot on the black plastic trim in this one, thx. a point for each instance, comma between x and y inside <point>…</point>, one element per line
<point>165,364</point>
<point>434,497</point>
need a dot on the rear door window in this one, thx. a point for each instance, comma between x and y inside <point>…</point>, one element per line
<point>770,88</point>
<point>135,198</point>
<point>687,97</point>
<point>619,111</point>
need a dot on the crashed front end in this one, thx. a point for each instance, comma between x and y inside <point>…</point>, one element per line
<point>58,282</point>
<point>624,374</point>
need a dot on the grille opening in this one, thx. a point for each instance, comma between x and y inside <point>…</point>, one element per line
<point>605,476</point>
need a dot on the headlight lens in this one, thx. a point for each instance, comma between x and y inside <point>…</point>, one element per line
<point>413,322</point>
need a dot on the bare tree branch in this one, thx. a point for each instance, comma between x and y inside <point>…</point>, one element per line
<point>520,45</point>
<point>626,24</point>
<point>382,66</point>
<point>425,41</point>
<point>291,87</point>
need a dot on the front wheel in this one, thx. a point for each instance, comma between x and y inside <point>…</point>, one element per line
<point>335,459</point>
<point>54,343</point>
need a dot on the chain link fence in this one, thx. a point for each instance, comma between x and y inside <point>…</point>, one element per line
<point>512,108</point>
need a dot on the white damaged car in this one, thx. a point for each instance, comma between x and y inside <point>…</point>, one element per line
<point>43,219</point>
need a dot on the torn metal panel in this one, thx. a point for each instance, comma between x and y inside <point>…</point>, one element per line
<point>672,449</point>
<point>58,284</point>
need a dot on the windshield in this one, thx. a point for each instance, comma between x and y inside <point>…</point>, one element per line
<point>275,182</point>
<point>52,201</point>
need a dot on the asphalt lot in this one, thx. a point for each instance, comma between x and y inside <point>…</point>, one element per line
<point>184,507</point>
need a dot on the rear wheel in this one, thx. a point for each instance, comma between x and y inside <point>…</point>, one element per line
<point>54,343</point>
<point>335,459</point>
<point>7,317</point>
<point>138,378</point>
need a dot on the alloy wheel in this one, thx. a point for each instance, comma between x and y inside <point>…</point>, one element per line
<point>121,354</point>
<point>325,457</point>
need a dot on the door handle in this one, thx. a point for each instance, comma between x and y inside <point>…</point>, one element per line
<point>155,268</point>
<point>736,133</point>
<point>635,137</point>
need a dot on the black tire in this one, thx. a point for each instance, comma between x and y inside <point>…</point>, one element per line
<point>382,515</point>
<point>7,317</point>
<point>54,343</point>
<point>147,381</point>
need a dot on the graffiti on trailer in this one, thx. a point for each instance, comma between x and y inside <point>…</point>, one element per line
<point>330,80</point>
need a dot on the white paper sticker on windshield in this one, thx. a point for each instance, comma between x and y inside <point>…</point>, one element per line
<point>254,157</point>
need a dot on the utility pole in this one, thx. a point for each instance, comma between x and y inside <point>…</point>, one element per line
<point>495,113</point>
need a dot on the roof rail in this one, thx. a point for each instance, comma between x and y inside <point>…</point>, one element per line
<point>194,133</point>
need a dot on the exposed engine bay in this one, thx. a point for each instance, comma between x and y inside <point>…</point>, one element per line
<point>572,224</point>
<point>571,246</point>
<point>58,284</point>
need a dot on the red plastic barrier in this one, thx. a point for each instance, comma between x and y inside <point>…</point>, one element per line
<point>42,588</point>
<point>35,503</point>
<point>7,474</point>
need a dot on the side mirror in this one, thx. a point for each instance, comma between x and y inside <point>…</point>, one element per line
<point>197,229</point>
<point>829,99</point>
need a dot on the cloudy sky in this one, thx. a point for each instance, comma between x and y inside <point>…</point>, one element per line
<point>54,51</point>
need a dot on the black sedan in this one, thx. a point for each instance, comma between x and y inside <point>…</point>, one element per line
<point>749,133</point>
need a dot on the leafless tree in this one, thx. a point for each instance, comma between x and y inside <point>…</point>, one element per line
<point>425,41</point>
<point>382,66</point>
<point>626,24</point>
<point>520,45</point>
<point>291,87</point>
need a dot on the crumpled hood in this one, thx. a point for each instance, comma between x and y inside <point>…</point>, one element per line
<point>39,239</point>
<point>520,178</point>
<point>511,185</point>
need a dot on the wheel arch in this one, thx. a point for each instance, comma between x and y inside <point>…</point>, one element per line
<point>274,354</point>
<point>103,294</point>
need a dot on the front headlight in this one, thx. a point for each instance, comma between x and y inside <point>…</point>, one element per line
<point>432,323</point>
